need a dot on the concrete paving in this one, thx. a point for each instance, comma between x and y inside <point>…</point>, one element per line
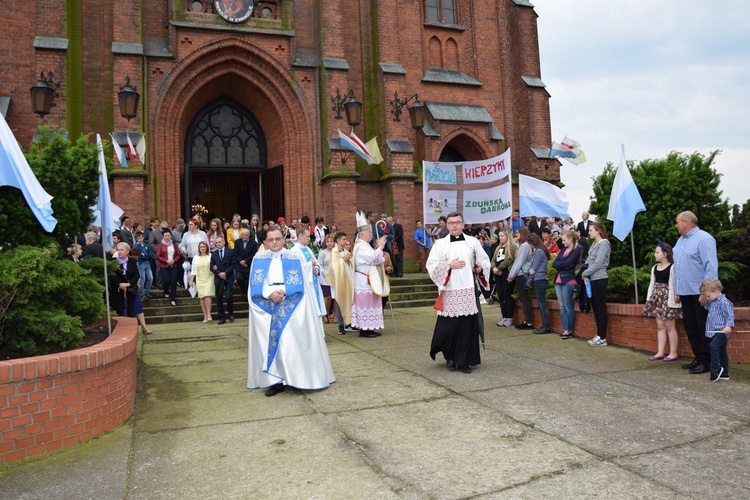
<point>539,418</point>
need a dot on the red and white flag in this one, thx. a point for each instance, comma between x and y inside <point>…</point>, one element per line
<point>132,153</point>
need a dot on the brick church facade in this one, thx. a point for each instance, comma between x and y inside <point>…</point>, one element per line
<point>238,113</point>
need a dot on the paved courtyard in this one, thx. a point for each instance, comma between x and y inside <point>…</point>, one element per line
<point>539,418</point>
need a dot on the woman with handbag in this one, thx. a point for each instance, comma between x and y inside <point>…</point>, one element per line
<point>168,260</point>
<point>201,275</point>
<point>565,280</point>
<point>520,273</point>
<point>596,275</point>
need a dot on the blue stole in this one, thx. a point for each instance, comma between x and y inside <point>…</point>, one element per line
<point>281,312</point>
<point>316,286</point>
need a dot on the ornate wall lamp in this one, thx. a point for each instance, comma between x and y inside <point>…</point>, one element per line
<point>43,94</point>
<point>350,105</point>
<point>416,110</point>
<point>128,98</point>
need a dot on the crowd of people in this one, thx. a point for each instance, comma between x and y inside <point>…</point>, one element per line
<point>684,281</point>
<point>344,280</point>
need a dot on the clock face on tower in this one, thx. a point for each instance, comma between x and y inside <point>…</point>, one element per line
<point>234,11</point>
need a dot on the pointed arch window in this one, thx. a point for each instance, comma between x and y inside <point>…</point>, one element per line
<point>441,11</point>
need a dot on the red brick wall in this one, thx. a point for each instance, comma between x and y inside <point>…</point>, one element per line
<point>50,402</point>
<point>497,45</point>
<point>628,328</point>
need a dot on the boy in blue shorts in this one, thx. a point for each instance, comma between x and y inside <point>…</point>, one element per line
<point>718,326</point>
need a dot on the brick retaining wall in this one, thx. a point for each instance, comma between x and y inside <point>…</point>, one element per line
<point>53,401</point>
<point>627,328</point>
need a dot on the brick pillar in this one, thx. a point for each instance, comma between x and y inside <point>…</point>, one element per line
<point>129,194</point>
<point>340,191</point>
<point>400,188</point>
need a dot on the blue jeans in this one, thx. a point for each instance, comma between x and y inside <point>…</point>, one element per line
<point>718,349</point>
<point>147,277</point>
<point>567,310</point>
<point>540,290</point>
<point>339,317</point>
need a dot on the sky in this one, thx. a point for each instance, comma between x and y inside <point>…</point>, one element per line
<point>656,76</point>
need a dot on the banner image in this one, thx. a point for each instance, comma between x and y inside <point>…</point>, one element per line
<point>441,202</point>
<point>481,190</point>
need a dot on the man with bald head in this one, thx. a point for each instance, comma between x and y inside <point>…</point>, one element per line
<point>695,260</point>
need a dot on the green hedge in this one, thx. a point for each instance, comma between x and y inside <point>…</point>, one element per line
<point>45,301</point>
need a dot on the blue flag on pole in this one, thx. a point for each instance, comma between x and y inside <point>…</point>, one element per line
<point>16,172</point>
<point>624,202</point>
<point>103,203</point>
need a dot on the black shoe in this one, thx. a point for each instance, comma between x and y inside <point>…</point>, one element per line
<point>699,368</point>
<point>341,331</point>
<point>542,330</point>
<point>465,369</point>
<point>222,321</point>
<point>690,365</point>
<point>275,389</point>
<point>231,318</point>
<point>350,328</point>
<point>450,364</point>
<point>715,375</point>
<point>377,333</point>
<point>524,326</point>
<point>566,336</point>
<point>368,333</point>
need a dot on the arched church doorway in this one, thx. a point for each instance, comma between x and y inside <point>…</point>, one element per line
<point>226,171</point>
<point>461,148</point>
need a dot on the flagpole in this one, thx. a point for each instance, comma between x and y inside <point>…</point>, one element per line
<point>635,274</point>
<point>106,281</point>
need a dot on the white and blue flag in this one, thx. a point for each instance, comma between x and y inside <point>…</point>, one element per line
<point>16,172</point>
<point>624,202</point>
<point>540,198</point>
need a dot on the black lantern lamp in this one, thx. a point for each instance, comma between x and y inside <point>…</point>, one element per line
<point>353,110</point>
<point>128,98</point>
<point>416,110</point>
<point>350,105</point>
<point>43,94</point>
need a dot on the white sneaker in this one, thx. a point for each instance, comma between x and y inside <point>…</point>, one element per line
<point>501,322</point>
<point>597,342</point>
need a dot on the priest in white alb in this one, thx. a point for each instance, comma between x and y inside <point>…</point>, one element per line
<point>454,262</point>
<point>286,341</point>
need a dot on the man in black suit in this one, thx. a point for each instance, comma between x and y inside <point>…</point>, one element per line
<point>244,250</point>
<point>92,248</point>
<point>123,284</point>
<point>534,226</point>
<point>583,226</point>
<point>126,231</point>
<point>398,249</point>
<point>222,265</point>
